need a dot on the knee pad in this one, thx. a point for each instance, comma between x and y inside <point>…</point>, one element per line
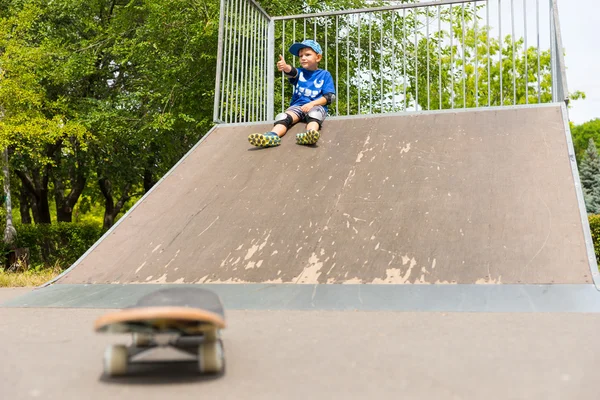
<point>284,119</point>
<point>315,116</point>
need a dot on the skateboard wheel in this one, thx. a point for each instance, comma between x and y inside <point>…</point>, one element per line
<point>210,357</point>
<point>141,340</point>
<point>115,360</point>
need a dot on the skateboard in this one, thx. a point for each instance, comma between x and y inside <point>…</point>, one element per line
<point>187,319</point>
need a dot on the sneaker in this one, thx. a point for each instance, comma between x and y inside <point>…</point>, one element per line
<point>308,137</point>
<point>269,139</point>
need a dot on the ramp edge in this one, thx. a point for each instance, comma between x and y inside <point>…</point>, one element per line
<point>425,298</point>
<point>587,234</point>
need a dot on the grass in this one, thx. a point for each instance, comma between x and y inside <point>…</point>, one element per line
<point>28,278</point>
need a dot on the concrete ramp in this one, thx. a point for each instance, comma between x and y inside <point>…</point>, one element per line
<point>468,197</point>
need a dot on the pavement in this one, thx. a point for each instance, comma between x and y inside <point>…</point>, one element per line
<point>54,354</point>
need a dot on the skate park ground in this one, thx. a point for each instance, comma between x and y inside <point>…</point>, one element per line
<point>463,272</point>
<point>54,354</point>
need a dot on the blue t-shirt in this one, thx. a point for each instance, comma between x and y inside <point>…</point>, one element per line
<point>310,85</point>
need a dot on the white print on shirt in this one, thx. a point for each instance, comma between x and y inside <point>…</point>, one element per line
<point>306,91</point>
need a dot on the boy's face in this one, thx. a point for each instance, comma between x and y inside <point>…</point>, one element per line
<point>308,58</point>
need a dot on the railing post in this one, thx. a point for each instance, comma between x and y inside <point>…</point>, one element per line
<point>217,103</point>
<point>559,61</point>
<point>271,69</point>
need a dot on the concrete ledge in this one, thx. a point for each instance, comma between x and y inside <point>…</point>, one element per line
<point>432,298</point>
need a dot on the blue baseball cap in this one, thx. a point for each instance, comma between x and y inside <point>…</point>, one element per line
<point>296,47</point>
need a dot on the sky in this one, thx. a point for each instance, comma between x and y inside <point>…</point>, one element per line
<point>580,25</point>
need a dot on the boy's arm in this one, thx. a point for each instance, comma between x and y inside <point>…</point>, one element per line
<point>287,69</point>
<point>321,101</point>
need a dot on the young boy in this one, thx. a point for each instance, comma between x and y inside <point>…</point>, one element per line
<point>313,92</point>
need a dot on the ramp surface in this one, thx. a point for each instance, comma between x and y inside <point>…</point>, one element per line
<point>464,197</point>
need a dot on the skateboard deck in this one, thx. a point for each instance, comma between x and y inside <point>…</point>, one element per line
<point>187,319</point>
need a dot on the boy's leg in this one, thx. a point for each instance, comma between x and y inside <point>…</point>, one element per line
<point>314,119</point>
<point>283,122</point>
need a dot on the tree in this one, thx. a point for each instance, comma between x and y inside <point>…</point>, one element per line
<point>36,124</point>
<point>590,178</point>
<point>582,135</point>
<point>102,91</point>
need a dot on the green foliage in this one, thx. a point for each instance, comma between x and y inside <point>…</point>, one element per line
<point>103,91</point>
<point>582,135</point>
<point>57,244</point>
<point>589,170</point>
<point>594,221</point>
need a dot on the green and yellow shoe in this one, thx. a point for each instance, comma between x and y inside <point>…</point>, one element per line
<point>308,137</point>
<point>269,139</point>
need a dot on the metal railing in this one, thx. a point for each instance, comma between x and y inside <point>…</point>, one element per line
<point>433,55</point>
<point>242,84</point>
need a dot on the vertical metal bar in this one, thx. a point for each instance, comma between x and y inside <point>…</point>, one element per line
<point>404,55</point>
<point>501,46</point>
<point>475,17</point>
<point>381,59</point>
<point>315,30</point>
<point>553,53</point>
<point>428,80</point>
<point>266,51</point>
<point>232,64</point>
<point>252,56</point>
<point>464,59</point>
<point>526,54</point>
<point>348,69</point>
<point>359,75</point>
<point>537,4</point>
<point>282,73</point>
<point>337,57</point>
<point>241,86</point>
<point>257,57</point>
<point>489,57</point>
<point>304,37</point>
<point>226,59</point>
<point>262,64</point>
<point>325,48</point>
<point>370,65</point>
<point>514,49</point>
<point>270,69</point>
<point>216,103</point>
<point>561,75</point>
<point>257,69</point>
<point>416,61</point>
<point>245,54</point>
<point>239,56</point>
<point>451,57</point>
<point>440,36</point>
<point>393,61</point>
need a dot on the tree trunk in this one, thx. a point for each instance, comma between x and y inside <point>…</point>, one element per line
<point>24,207</point>
<point>10,233</point>
<point>148,180</point>
<point>65,203</point>
<point>112,209</point>
<point>37,189</point>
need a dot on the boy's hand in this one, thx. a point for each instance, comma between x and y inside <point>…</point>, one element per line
<point>282,65</point>
<point>307,107</point>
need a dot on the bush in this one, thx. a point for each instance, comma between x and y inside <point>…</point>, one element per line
<point>55,244</point>
<point>595,229</point>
